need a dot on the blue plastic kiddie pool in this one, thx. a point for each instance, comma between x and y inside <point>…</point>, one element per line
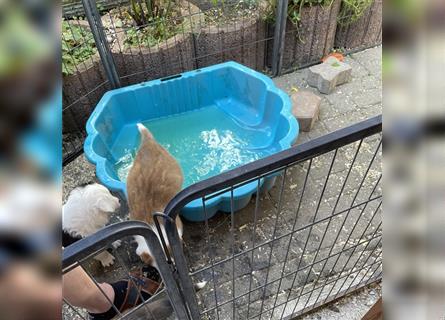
<point>211,120</point>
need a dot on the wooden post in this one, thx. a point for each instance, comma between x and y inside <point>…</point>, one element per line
<point>376,311</point>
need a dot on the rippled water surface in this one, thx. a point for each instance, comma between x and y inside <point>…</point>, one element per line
<point>205,142</point>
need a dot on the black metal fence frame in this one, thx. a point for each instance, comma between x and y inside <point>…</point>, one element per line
<point>254,172</point>
<point>79,252</point>
<point>73,147</point>
<point>178,278</point>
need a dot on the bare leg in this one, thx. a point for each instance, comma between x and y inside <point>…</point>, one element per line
<point>79,290</point>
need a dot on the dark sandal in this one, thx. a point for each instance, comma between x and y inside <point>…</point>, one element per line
<point>145,282</point>
<point>139,284</point>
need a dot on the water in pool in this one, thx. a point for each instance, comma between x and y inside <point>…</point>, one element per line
<point>205,142</point>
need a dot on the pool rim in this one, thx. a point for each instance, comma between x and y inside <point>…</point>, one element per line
<point>101,163</point>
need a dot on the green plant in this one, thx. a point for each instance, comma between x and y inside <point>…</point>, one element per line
<point>150,36</point>
<point>223,14</point>
<point>352,10</point>
<point>153,22</point>
<point>77,46</point>
<point>338,50</point>
<point>296,6</point>
<point>294,9</point>
<point>216,2</point>
<point>147,11</point>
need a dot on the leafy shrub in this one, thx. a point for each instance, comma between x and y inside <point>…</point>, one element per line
<point>77,46</point>
<point>150,35</point>
<point>148,11</point>
<point>294,9</point>
<point>225,12</point>
<point>352,10</point>
<point>153,21</point>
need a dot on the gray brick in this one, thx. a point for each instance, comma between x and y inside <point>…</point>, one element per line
<point>329,74</point>
<point>305,107</point>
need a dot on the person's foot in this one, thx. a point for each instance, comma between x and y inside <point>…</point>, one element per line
<point>139,287</point>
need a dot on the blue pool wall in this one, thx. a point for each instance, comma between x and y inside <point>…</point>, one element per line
<point>248,96</point>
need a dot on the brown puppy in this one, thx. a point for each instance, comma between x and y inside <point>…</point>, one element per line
<point>154,179</point>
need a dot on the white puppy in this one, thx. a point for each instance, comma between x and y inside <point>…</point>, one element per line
<point>87,210</point>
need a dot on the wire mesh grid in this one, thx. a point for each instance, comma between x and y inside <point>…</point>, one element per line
<point>357,32</point>
<point>321,29</point>
<point>82,263</point>
<point>314,237</point>
<point>190,35</point>
<point>197,38</point>
<point>84,83</point>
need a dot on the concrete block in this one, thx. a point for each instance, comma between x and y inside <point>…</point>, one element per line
<point>329,74</point>
<point>305,107</point>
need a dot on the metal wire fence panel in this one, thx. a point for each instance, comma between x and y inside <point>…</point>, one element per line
<point>145,48</point>
<point>330,25</point>
<point>144,42</point>
<point>74,8</point>
<point>191,37</point>
<point>311,238</point>
<point>312,37</point>
<point>356,33</point>
<point>79,263</point>
<point>84,83</point>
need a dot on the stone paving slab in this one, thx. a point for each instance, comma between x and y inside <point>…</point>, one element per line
<point>347,104</point>
<point>306,108</point>
<point>328,75</point>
